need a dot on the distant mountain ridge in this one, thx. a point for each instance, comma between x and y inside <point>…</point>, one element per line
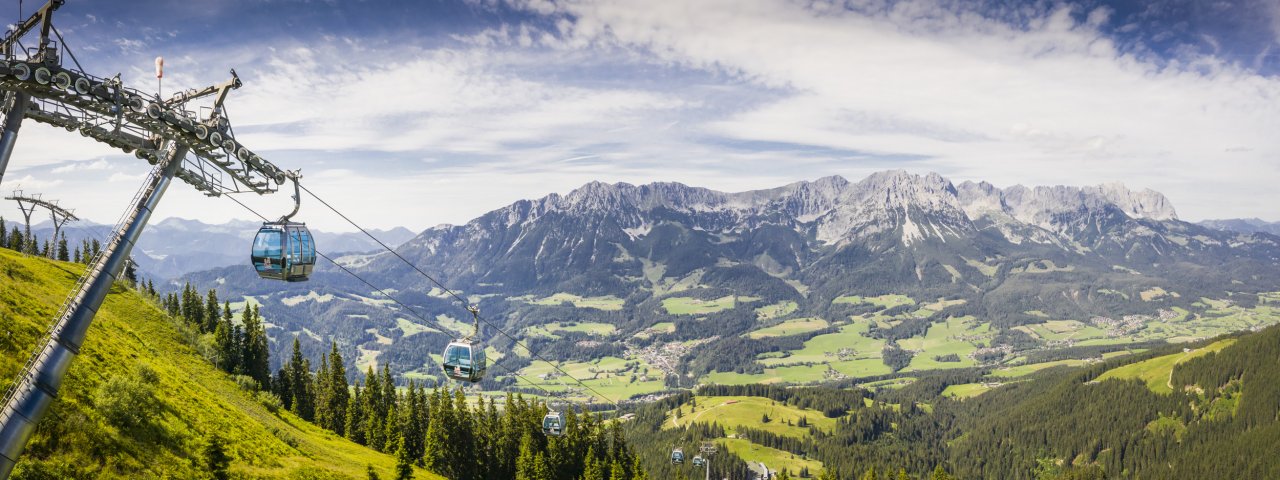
<point>1245,225</point>
<point>175,246</point>
<point>557,237</point>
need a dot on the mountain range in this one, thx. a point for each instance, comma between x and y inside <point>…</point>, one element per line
<point>1009,256</point>
<point>1248,225</point>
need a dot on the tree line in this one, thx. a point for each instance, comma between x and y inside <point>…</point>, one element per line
<point>439,429</point>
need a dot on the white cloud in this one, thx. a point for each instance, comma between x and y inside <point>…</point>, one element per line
<point>30,184</point>
<point>725,94</point>
<point>124,177</point>
<point>977,97</point>
<point>91,165</point>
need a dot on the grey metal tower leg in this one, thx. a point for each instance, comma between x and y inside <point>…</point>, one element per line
<point>12,121</point>
<point>39,384</point>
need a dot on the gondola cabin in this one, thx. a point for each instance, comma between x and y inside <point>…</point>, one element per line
<point>464,361</point>
<point>698,461</point>
<point>553,424</point>
<point>284,251</point>
<point>677,456</point>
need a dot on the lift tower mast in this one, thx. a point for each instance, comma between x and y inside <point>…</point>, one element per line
<point>59,215</point>
<point>198,148</point>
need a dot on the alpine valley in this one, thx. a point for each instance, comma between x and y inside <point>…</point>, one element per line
<point>647,288</point>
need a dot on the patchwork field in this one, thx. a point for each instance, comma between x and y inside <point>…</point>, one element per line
<point>693,306</point>
<point>790,327</point>
<point>968,390</point>
<point>882,301</point>
<point>957,335</point>
<point>590,328</point>
<point>613,377</point>
<point>609,302</point>
<point>780,309</point>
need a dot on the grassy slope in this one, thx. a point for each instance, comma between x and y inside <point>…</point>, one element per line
<point>1155,372</point>
<point>794,326</point>
<point>197,399</point>
<point>737,411</point>
<point>747,411</point>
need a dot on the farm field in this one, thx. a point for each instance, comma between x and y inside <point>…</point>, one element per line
<point>882,301</point>
<point>590,328</point>
<point>660,327</point>
<point>967,390</point>
<point>693,306</point>
<point>851,339</point>
<point>790,327</point>
<point>608,302</point>
<point>609,376</point>
<point>945,338</point>
<point>780,309</point>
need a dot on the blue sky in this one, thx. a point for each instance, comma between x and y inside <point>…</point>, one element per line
<point>417,113</point>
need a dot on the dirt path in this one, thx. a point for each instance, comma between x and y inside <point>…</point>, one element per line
<point>695,417</point>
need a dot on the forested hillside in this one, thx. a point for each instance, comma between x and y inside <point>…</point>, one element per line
<point>1170,412</point>
<point>154,394</point>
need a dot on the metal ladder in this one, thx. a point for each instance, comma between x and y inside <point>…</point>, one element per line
<point>77,292</point>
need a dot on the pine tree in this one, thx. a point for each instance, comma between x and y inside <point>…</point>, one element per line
<point>216,460</point>
<point>638,473</point>
<point>404,462</point>
<point>828,474</point>
<point>940,474</point>
<point>256,352</point>
<point>131,272</point>
<point>375,417</point>
<point>354,425</point>
<point>870,474</point>
<point>436,446</point>
<point>783,475</point>
<point>96,247</point>
<point>4,234</point>
<point>300,382</point>
<point>226,344</point>
<point>212,312</point>
<point>62,245</point>
<point>324,414</point>
<point>463,439</point>
<point>338,396</point>
<point>528,463</point>
<point>16,242</point>
<point>618,472</point>
<point>591,468</point>
<point>76,258</point>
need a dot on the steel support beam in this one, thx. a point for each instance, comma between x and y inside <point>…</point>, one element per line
<point>12,122</point>
<point>38,387</point>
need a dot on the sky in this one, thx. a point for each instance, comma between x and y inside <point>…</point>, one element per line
<point>419,113</point>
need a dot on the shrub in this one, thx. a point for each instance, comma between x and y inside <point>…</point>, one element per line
<point>270,400</point>
<point>129,402</point>
<point>246,382</point>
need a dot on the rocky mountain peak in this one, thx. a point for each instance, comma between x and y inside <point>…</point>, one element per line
<point>1143,204</point>
<point>897,189</point>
